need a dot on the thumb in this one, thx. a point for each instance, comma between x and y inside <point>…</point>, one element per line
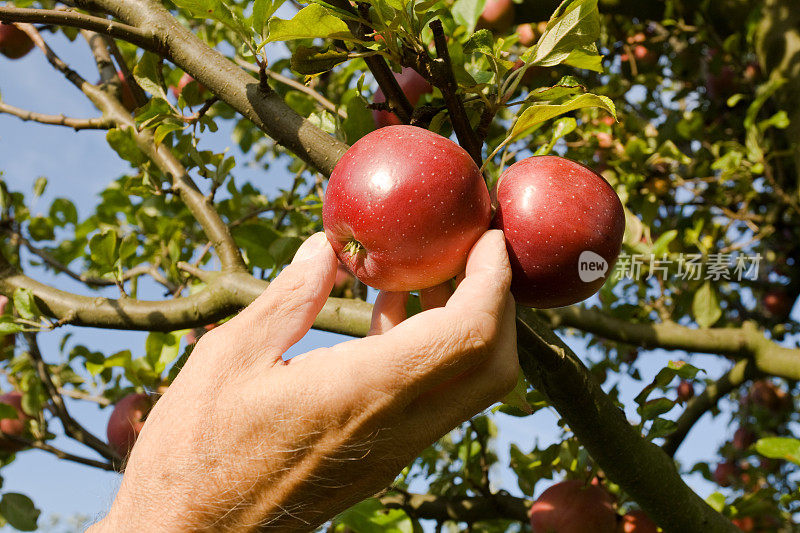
<point>284,312</point>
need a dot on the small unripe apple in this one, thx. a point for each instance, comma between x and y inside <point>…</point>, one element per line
<point>13,426</point>
<point>637,521</point>
<point>497,15</point>
<point>563,225</point>
<point>14,43</point>
<point>126,422</point>
<point>572,507</point>
<point>685,391</point>
<point>404,207</point>
<point>413,86</point>
<point>725,473</point>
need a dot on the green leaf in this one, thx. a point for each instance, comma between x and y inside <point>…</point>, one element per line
<point>165,128</point>
<point>371,515</point>
<point>780,448</point>
<point>717,501</point>
<point>661,428</point>
<point>653,408</point>
<point>121,141</point>
<point>467,12</point>
<point>311,60</point>
<point>574,26</point>
<point>19,511</point>
<point>8,326</point>
<point>481,41</point>
<point>148,75</point>
<point>216,10</point>
<point>262,11</point>
<point>39,186</point>
<point>705,307</point>
<point>517,397</point>
<point>313,21</point>
<point>63,212</point>
<point>25,304</point>
<point>587,59</point>
<point>536,114</point>
<point>103,248</point>
<point>163,348</point>
<point>128,246</point>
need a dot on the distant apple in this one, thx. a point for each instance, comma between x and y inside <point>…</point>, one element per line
<point>637,521</point>
<point>13,426</point>
<point>128,100</point>
<point>404,207</point>
<point>572,507</point>
<point>413,86</point>
<point>14,43</point>
<point>527,34</point>
<point>126,422</point>
<point>194,334</point>
<point>563,225</point>
<point>778,303</point>
<point>497,15</point>
<point>185,80</point>
<point>743,438</point>
<point>725,473</point>
<point>685,391</point>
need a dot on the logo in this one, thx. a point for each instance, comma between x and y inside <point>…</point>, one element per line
<point>591,266</point>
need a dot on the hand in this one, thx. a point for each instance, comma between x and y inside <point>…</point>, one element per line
<point>244,440</point>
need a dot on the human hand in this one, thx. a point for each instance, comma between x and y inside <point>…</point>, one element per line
<point>245,440</point>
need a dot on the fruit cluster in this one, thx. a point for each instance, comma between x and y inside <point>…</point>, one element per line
<point>404,206</point>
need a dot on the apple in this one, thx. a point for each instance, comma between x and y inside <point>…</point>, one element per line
<point>685,391</point>
<point>527,34</point>
<point>637,521</point>
<point>767,395</point>
<point>725,473</point>
<point>404,207</point>
<point>778,303</point>
<point>745,523</point>
<point>126,422</point>
<point>128,100</point>
<point>572,507</point>
<point>13,426</point>
<point>563,225</point>
<point>497,15</point>
<point>194,334</point>
<point>14,43</point>
<point>185,80</point>
<point>743,438</point>
<point>413,86</point>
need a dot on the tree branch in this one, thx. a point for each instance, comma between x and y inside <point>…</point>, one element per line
<point>697,407</point>
<point>745,341</point>
<point>57,120</point>
<point>73,19</point>
<point>71,426</point>
<point>466,509</point>
<point>61,454</point>
<point>228,82</point>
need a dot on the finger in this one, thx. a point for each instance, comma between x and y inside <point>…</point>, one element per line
<point>436,296</point>
<point>439,344</point>
<point>284,312</point>
<point>388,311</point>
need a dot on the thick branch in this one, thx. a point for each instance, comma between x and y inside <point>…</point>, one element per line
<point>697,407</point>
<point>229,82</point>
<point>745,341</point>
<point>641,468</point>
<point>467,509</point>
<point>57,120</point>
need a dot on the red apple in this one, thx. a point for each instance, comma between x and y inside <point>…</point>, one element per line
<point>685,391</point>
<point>13,426</point>
<point>572,507</point>
<point>404,207</point>
<point>778,303</point>
<point>413,86</point>
<point>185,80</point>
<point>563,225</point>
<point>745,523</point>
<point>497,15</point>
<point>765,394</point>
<point>126,422</point>
<point>128,100</point>
<point>527,34</point>
<point>725,473</point>
<point>14,43</point>
<point>194,335</point>
<point>637,522</point>
<point>743,438</point>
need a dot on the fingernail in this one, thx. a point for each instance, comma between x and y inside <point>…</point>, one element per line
<point>311,247</point>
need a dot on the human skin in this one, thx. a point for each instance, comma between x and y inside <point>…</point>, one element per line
<point>242,440</point>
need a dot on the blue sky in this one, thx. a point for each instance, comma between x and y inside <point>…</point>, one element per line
<point>79,166</point>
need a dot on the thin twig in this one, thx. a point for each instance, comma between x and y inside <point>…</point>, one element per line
<point>57,120</point>
<point>61,454</point>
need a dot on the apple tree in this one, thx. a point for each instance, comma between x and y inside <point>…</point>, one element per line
<point>688,109</point>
